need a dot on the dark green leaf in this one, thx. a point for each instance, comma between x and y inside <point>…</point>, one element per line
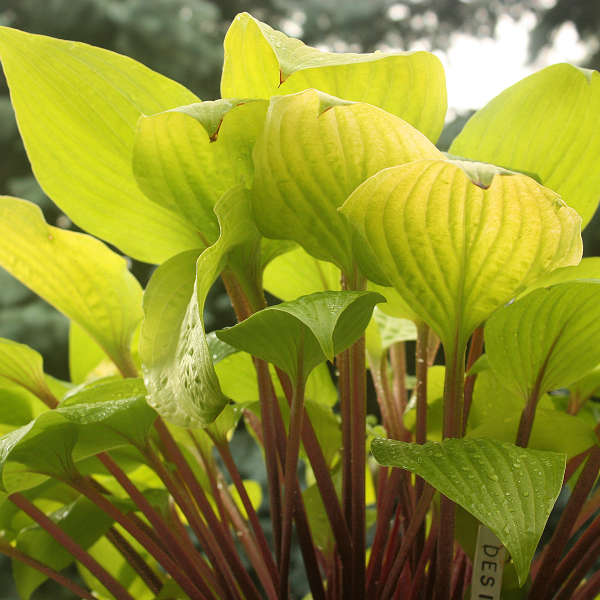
<point>509,489</point>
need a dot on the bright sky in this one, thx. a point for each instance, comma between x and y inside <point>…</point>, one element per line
<point>479,69</point>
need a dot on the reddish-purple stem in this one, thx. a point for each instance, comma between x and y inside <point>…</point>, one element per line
<point>475,350</point>
<point>543,584</point>
<point>137,563</point>
<point>407,541</point>
<point>65,540</point>
<point>65,582</point>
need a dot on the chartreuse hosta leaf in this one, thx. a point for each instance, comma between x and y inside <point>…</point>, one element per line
<point>80,144</point>
<point>17,406</point>
<point>314,151</point>
<point>98,418</point>
<point>509,489</point>
<point>115,563</point>
<point>495,413</point>
<point>178,368</point>
<point>296,273</point>
<point>313,328</point>
<point>455,248</point>
<point>588,268</point>
<point>586,387</point>
<point>186,158</point>
<point>24,366</point>
<point>386,331</point>
<point>76,273</point>
<point>80,519</point>
<point>86,359</point>
<point>535,127</point>
<point>237,377</point>
<point>261,62</point>
<point>547,339</point>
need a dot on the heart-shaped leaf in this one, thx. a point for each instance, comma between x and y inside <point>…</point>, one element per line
<point>23,365</point>
<point>454,250</point>
<point>185,159</point>
<point>178,369</point>
<point>536,127</point>
<point>80,143</point>
<point>511,490</point>
<point>95,419</point>
<point>546,340</point>
<point>261,62</point>
<point>314,151</point>
<point>76,273</point>
<point>312,328</point>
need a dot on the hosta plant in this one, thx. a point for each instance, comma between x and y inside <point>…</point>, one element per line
<point>315,178</point>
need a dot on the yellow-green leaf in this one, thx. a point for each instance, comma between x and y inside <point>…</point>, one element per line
<point>588,268</point>
<point>296,336</point>
<point>76,273</point>
<point>186,158</point>
<point>77,107</point>
<point>546,340</point>
<point>509,489</point>
<point>546,125</point>
<point>23,365</point>
<point>178,369</point>
<point>314,151</point>
<point>454,250</point>
<point>261,62</point>
<point>86,359</point>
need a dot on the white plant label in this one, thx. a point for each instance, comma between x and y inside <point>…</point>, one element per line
<point>488,566</point>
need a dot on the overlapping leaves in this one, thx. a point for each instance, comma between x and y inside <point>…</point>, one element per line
<point>314,151</point>
<point>77,107</point>
<point>261,62</point>
<point>454,248</point>
<point>104,416</point>
<point>546,125</point>
<point>185,159</point>
<point>312,328</point>
<point>178,369</point>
